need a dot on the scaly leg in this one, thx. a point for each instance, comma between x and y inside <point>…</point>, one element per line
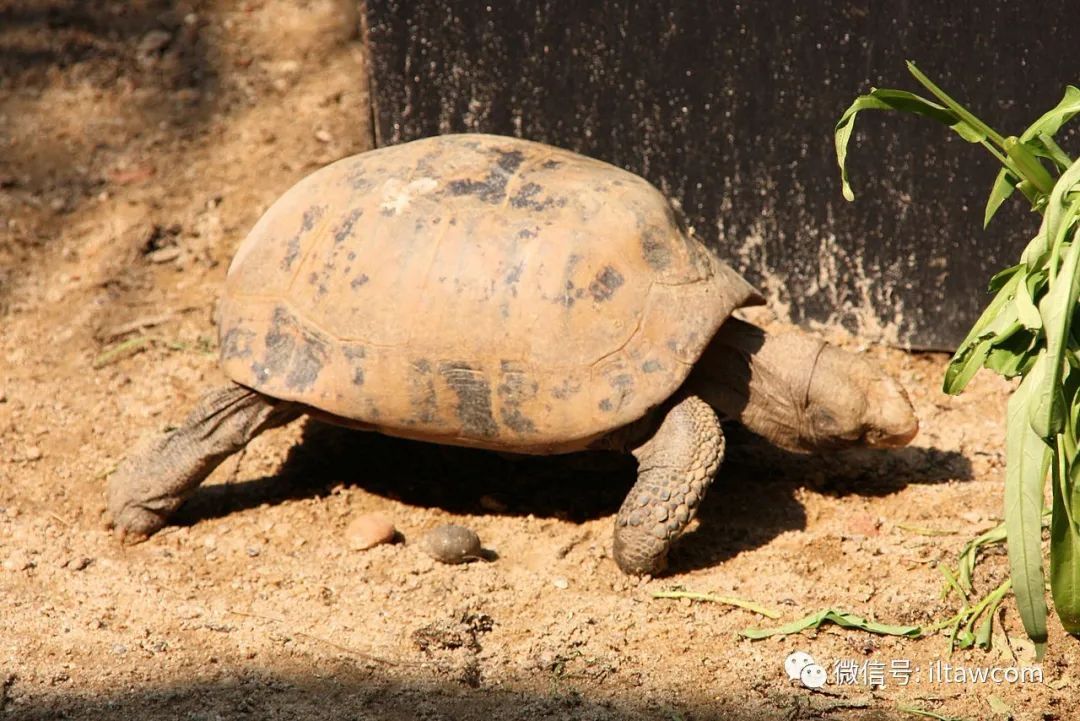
<point>152,482</point>
<point>675,467</point>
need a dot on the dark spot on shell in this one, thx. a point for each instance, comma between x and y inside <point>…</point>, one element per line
<point>453,221</point>
<point>387,212</point>
<point>656,251</point>
<point>525,194</point>
<point>492,188</point>
<point>351,255</point>
<point>567,388</point>
<point>516,421</point>
<point>606,283</point>
<point>527,233</point>
<point>651,366</point>
<point>345,229</point>
<point>623,386</point>
<point>550,164</point>
<point>307,222</point>
<point>510,160</point>
<point>513,276</point>
<point>359,281</point>
<point>313,278</point>
<point>355,354</point>
<point>514,390</point>
<point>605,405</point>
<point>526,198</point>
<point>422,392</point>
<point>357,180</point>
<point>567,298</point>
<point>474,398</point>
<point>293,351</point>
<point>236,342</point>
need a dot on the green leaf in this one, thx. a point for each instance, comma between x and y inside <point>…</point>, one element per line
<point>1015,355</point>
<point>1037,249</point>
<point>840,618</point>
<point>999,279</point>
<point>972,352</point>
<point>977,127</point>
<point>1025,304</point>
<point>1027,163</point>
<point>1056,307</point>
<point>1065,550</point>
<point>965,363</point>
<point>1026,459</point>
<point>1047,148</point>
<point>1004,185</point>
<point>1052,120</point>
<point>887,99</point>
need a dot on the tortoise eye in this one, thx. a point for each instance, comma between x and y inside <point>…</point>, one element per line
<point>824,422</point>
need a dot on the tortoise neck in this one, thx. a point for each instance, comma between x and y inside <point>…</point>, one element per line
<point>759,380</point>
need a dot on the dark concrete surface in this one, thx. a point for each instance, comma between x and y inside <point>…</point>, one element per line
<point>729,108</point>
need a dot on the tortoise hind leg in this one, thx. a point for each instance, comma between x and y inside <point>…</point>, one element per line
<point>675,467</point>
<point>152,482</point>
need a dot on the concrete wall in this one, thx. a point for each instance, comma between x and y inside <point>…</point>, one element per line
<point>729,108</point>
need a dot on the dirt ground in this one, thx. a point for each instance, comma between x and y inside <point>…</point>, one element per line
<point>138,143</point>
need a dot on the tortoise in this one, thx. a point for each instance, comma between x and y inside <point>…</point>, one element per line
<point>493,292</point>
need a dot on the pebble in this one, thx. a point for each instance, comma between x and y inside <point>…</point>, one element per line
<point>450,543</point>
<point>560,583</point>
<point>33,453</point>
<point>323,136</point>
<point>369,530</point>
<point>164,255</point>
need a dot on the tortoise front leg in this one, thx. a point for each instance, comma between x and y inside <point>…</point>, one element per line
<point>675,467</point>
<point>152,482</point>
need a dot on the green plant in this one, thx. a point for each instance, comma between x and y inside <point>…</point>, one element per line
<point>1026,331</point>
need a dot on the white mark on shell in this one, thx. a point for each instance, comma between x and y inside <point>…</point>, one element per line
<point>397,195</point>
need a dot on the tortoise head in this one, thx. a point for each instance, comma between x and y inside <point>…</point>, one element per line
<point>801,393</point>
<point>849,401</point>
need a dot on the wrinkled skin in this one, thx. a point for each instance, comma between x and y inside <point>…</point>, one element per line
<point>800,393</point>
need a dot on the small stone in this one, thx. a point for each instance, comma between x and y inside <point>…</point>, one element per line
<point>561,583</point>
<point>369,530</point>
<point>33,453</point>
<point>164,255</point>
<point>450,543</point>
<point>322,136</point>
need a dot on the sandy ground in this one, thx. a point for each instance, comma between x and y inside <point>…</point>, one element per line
<point>138,143</point>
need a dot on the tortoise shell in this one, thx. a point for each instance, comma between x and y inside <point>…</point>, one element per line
<point>474,290</point>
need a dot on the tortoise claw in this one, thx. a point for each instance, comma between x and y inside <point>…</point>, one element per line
<point>127,537</point>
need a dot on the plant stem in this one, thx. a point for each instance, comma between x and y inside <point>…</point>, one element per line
<point>961,112</point>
